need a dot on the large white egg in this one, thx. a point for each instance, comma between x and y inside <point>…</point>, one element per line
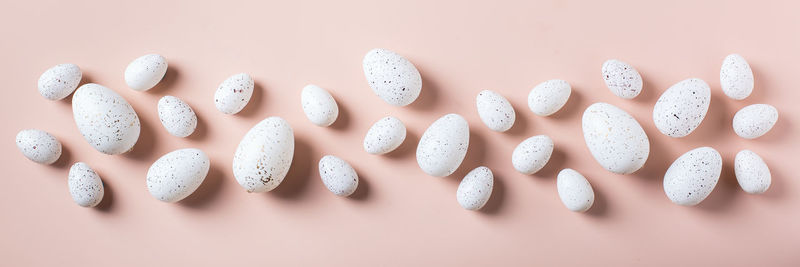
<point>39,146</point>
<point>622,79</point>
<point>752,172</point>
<point>475,189</point>
<point>176,116</point>
<point>754,120</point>
<point>495,111</point>
<point>264,155</point>
<point>58,82</point>
<point>443,146</point>
<point>85,185</point>
<point>177,174</point>
<point>736,77</point>
<point>338,176</point>
<point>392,77</point>
<point>145,72</point>
<point>531,155</point>
<point>385,136</point>
<point>105,119</point>
<point>234,93</point>
<point>548,97</point>
<point>574,190</point>
<point>615,138</point>
<point>692,177</point>
<point>319,105</point>
<point>682,107</point>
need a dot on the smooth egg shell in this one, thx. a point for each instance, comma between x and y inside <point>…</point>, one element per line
<point>548,97</point>
<point>318,105</point>
<point>574,190</point>
<point>385,136</point>
<point>755,120</point>
<point>234,93</point>
<point>338,176</point>
<point>443,146</point>
<point>85,186</point>
<point>495,111</point>
<point>392,77</point>
<point>105,119</point>
<point>39,146</point>
<point>752,172</point>
<point>176,116</point>
<point>622,79</point>
<point>682,107</point>
<point>615,139</point>
<point>264,155</point>
<point>475,189</point>
<point>692,177</point>
<point>58,82</point>
<point>145,72</point>
<point>736,77</point>
<point>531,155</point>
<point>177,174</point>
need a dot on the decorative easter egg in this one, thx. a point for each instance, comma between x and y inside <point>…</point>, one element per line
<point>531,155</point>
<point>58,82</point>
<point>615,138</point>
<point>475,189</point>
<point>622,79</point>
<point>85,185</point>
<point>392,77</point>
<point>234,93</point>
<point>754,120</point>
<point>384,136</point>
<point>752,172</point>
<point>264,155</point>
<point>574,190</point>
<point>443,146</point>
<point>177,174</point>
<point>176,116</point>
<point>105,119</point>
<point>495,111</point>
<point>39,146</point>
<point>319,105</point>
<point>692,177</point>
<point>145,72</point>
<point>338,176</point>
<point>736,77</point>
<point>682,107</point>
<point>548,97</point>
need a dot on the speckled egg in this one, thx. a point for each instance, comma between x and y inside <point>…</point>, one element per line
<point>615,138</point>
<point>531,155</point>
<point>495,111</point>
<point>338,176</point>
<point>85,185</point>
<point>38,146</point>
<point>234,93</point>
<point>443,146</point>
<point>548,97</point>
<point>176,116</point>
<point>692,177</point>
<point>392,77</point>
<point>752,172</point>
<point>145,72</point>
<point>682,107</point>
<point>58,82</point>
<point>622,79</point>
<point>736,77</point>
<point>319,105</point>
<point>105,119</point>
<point>574,190</point>
<point>754,120</point>
<point>177,174</point>
<point>475,189</point>
<point>264,155</point>
<point>385,136</point>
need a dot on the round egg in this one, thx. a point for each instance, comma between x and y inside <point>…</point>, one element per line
<point>754,120</point>
<point>338,176</point>
<point>752,172</point>
<point>692,177</point>
<point>615,138</point>
<point>177,174</point>
<point>85,185</point>
<point>58,82</point>
<point>548,97</point>
<point>531,155</point>
<point>475,189</point>
<point>176,116</point>
<point>682,107</point>
<point>105,119</point>
<point>736,77</point>
<point>385,136</point>
<point>234,93</point>
<point>443,146</point>
<point>622,79</point>
<point>145,72</point>
<point>495,111</point>
<point>392,77</point>
<point>319,105</point>
<point>264,155</point>
<point>39,146</point>
<point>574,190</point>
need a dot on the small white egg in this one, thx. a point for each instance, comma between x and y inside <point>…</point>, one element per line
<point>392,77</point>
<point>145,72</point>
<point>752,172</point>
<point>85,185</point>
<point>531,155</point>
<point>574,190</point>
<point>39,146</point>
<point>320,107</point>
<point>58,82</point>
<point>234,93</point>
<point>177,174</point>
<point>338,176</point>
<point>443,146</point>
<point>548,97</point>
<point>622,79</point>
<point>495,111</point>
<point>264,155</point>
<point>615,139</point>
<point>385,136</point>
<point>105,119</point>
<point>754,120</point>
<point>682,108</point>
<point>475,189</point>
<point>736,77</point>
<point>692,177</point>
<point>176,116</point>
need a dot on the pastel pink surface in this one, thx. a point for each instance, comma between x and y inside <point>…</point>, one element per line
<point>399,215</point>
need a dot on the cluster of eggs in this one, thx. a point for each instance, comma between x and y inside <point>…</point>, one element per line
<point>264,155</point>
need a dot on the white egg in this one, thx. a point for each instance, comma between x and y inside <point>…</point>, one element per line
<point>385,136</point>
<point>754,120</point>
<point>736,77</point>
<point>682,107</point>
<point>319,105</point>
<point>145,72</point>
<point>574,190</point>
<point>85,185</point>
<point>495,111</point>
<point>548,97</point>
<point>692,177</point>
<point>105,119</point>
<point>58,82</point>
<point>615,138</point>
<point>531,155</point>
<point>176,116</point>
<point>177,174</point>
<point>443,146</point>
<point>622,79</point>
<point>38,146</point>
<point>234,93</point>
<point>338,176</point>
<point>752,172</point>
<point>392,77</point>
<point>264,155</point>
<point>475,189</point>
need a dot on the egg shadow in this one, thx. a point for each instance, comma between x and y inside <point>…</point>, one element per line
<point>474,157</point>
<point>717,121</point>
<point>558,160</point>
<point>727,188</point>
<point>407,148</point>
<point>64,160</point>
<point>428,96</point>
<point>168,81</point>
<point>200,132</point>
<point>362,192</point>
<point>254,106</point>
<point>571,108</point>
<point>210,189</point>
<point>107,203</point>
<point>520,122</point>
<point>495,203</point>
<point>295,184</point>
<point>657,161</point>
<point>761,83</point>
<point>343,120</point>
<point>144,147</point>
<point>775,190</point>
<point>780,131</point>
<point>648,95</point>
<point>599,208</point>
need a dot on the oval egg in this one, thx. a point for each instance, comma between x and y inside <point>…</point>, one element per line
<point>145,72</point>
<point>177,174</point>
<point>318,105</point>
<point>392,77</point>
<point>85,186</point>
<point>622,79</point>
<point>338,176</point>
<point>495,111</point>
<point>234,93</point>
<point>615,138</point>
<point>531,155</point>
<point>692,177</point>
<point>752,172</point>
<point>548,97</point>
<point>176,116</point>
<point>384,136</point>
<point>38,146</point>
<point>58,82</point>
<point>443,146</point>
<point>736,77</point>
<point>574,190</point>
<point>264,155</point>
<point>475,189</point>
<point>755,120</point>
<point>105,119</point>
<point>681,108</point>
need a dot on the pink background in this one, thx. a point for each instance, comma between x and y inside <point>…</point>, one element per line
<point>399,215</point>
